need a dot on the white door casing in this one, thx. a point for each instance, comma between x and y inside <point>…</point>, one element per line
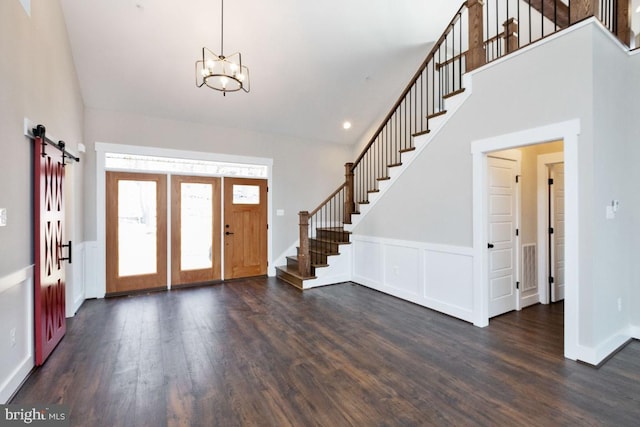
<point>502,225</point>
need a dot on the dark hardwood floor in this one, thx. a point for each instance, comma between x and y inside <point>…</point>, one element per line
<point>259,352</point>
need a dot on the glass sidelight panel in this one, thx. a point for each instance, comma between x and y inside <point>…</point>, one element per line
<point>195,229</point>
<point>196,224</point>
<point>137,227</point>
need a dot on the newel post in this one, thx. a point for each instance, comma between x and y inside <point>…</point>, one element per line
<point>511,43</point>
<point>304,256</point>
<point>476,56</point>
<point>582,9</point>
<point>349,204</point>
<point>624,22</point>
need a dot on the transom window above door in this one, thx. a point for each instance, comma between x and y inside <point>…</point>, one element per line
<point>183,166</point>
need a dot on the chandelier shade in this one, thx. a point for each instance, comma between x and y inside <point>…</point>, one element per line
<point>220,72</point>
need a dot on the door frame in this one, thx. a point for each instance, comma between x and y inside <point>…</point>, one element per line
<point>569,133</point>
<point>544,160</point>
<point>97,287</point>
<point>515,156</point>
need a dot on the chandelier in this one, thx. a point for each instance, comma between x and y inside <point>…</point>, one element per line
<point>220,72</point>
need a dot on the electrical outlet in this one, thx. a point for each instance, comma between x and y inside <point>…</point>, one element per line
<point>619,304</point>
<point>3,217</point>
<point>396,270</point>
<point>12,337</point>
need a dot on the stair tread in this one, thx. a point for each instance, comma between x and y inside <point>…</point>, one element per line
<point>408,149</point>
<point>454,93</point>
<point>393,165</point>
<point>294,273</point>
<point>434,115</point>
<point>384,178</point>
<point>424,132</point>
<point>294,258</point>
<point>334,242</point>
<point>336,229</point>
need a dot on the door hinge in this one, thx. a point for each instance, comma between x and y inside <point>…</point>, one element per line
<point>551,279</point>
<point>550,181</point>
<point>550,230</point>
<point>517,285</point>
<point>517,231</point>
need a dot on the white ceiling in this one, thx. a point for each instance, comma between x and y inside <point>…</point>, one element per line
<point>313,63</point>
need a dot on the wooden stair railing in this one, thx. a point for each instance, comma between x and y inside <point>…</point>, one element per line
<point>480,32</point>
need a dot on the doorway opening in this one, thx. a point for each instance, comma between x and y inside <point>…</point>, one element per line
<point>567,135</point>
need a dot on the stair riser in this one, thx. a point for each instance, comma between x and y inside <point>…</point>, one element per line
<point>323,246</point>
<point>336,236</point>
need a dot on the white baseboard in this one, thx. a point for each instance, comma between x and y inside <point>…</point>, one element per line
<point>596,355</point>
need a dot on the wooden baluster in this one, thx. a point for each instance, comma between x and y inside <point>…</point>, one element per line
<point>582,9</point>
<point>511,42</point>
<point>304,256</point>
<point>476,56</point>
<point>349,205</point>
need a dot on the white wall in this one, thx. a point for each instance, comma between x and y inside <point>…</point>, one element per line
<point>634,150</point>
<point>612,251</point>
<point>540,86</point>
<point>37,81</point>
<point>304,172</point>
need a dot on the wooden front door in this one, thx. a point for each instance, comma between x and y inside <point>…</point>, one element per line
<point>245,229</point>
<point>50,249</point>
<point>195,229</point>
<point>136,231</point>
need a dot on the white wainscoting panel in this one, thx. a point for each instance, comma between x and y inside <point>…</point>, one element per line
<point>16,330</point>
<point>439,277</point>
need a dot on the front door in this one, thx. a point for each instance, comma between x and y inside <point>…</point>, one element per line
<point>502,232</point>
<point>195,229</point>
<point>245,227</point>
<point>50,249</point>
<point>136,231</point>
<point>556,190</point>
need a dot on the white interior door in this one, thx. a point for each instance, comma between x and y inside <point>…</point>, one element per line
<point>502,231</point>
<point>556,172</point>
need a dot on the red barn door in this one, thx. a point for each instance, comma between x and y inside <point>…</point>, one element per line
<point>49,294</point>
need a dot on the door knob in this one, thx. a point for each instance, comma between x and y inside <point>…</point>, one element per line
<point>490,245</point>
<point>227,233</point>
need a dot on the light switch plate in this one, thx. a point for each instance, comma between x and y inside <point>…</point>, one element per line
<point>3,217</point>
<point>279,212</point>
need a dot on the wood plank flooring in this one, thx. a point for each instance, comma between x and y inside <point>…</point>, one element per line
<point>260,353</point>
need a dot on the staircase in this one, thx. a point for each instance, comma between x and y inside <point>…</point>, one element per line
<point>327,243</point>
<point>478,33</point>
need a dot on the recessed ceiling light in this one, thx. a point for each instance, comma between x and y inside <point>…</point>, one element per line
<point>346,125</point>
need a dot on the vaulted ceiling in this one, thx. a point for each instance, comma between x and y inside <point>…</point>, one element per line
<point>313,64</point>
